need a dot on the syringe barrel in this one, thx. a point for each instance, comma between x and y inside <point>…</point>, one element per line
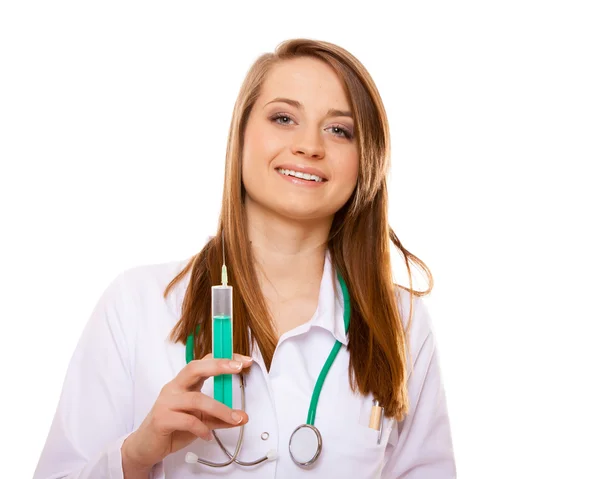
<point>222,339</point>
<point>222,301</point>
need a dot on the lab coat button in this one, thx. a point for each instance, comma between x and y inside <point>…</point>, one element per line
<point>264,436</point>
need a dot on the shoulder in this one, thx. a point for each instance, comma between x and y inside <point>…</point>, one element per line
<point>146,278</point>
<point>150,280</point>
<point>142,287</point>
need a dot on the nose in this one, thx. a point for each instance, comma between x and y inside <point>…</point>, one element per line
<point>309,143</point>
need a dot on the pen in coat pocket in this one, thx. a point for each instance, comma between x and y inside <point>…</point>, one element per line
<point>376,420</point>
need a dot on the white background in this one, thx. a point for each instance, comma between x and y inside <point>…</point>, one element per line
<point>113,125</point>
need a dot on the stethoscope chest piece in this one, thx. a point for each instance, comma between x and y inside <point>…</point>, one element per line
<point>305,445</point>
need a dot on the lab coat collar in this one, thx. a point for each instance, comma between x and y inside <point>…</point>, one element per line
<point>329,314</point>
<point>330,309</point>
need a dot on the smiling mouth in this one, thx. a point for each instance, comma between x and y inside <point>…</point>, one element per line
<point>300,175</point>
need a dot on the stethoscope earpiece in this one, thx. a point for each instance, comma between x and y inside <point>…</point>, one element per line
<point>271,455</point>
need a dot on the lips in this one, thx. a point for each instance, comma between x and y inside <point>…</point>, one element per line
<point>302,177</point>
<point>304,169</point>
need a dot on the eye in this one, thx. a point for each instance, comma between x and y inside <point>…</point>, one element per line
<point>341,131</point>
<point>282,119</point>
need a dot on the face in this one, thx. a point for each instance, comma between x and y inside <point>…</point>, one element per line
<point>300,125</point>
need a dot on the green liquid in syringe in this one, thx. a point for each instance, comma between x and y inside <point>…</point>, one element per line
<point>222,334</point>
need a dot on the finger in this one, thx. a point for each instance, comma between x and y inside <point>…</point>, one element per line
<point>180,421</point>
<point>214,423</point>
<point>206,408</point>
<point>194,373</point>
<point>236,357</point>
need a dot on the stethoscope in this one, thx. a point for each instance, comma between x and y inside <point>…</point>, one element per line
<point>306,441</point>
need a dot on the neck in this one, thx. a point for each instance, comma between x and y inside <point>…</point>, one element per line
<point>289,254</point>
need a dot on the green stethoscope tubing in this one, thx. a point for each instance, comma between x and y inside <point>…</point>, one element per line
<point>312,410</point>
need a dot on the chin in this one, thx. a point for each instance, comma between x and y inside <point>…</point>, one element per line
<point>290,208</point>
<point>293,212</point>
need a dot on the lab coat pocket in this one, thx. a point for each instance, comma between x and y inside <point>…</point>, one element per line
<point>357,435</point>
<point>349,425</point>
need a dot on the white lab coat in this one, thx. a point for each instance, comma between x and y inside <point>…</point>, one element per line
<point>124,357</point>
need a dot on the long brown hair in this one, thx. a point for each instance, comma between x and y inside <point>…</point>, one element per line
<point>359,243</point>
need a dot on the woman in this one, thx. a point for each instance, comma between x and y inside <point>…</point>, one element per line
<point>304,234</point>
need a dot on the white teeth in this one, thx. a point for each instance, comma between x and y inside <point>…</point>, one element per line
<point>304,176</point>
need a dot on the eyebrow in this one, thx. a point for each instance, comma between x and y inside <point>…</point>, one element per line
<point>297,104</point>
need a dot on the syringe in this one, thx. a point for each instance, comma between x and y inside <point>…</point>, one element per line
<point>222,334</point>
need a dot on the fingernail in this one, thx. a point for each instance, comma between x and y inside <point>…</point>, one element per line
<point>236,417</point>
<point>247,359</point>
<point>235,365</point>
